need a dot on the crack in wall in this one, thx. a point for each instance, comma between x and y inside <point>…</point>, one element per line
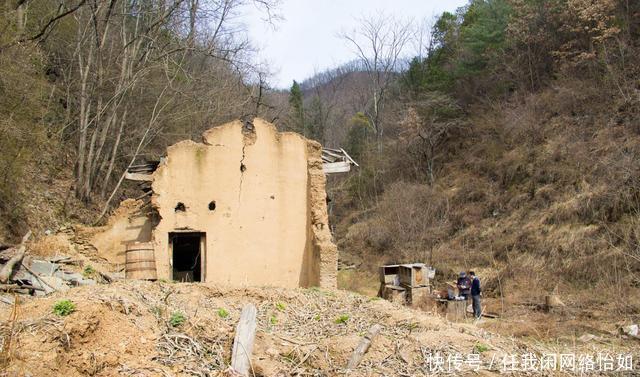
<point>248,138</point>
<point>242,169</point>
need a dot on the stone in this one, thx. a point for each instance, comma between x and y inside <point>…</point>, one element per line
<point>55,282</point>
<point>43,268</point>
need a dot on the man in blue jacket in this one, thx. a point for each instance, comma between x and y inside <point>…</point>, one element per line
<point>476,292</point>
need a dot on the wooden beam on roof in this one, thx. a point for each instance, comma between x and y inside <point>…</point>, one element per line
<point>332,154</point>
<point>138,177</point>
<point>349,157</point>
<point>336,167</point>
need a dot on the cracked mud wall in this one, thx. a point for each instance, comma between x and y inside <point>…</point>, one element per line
<point>321,242</point>
<point>125,226</point>
<point>269,226</point>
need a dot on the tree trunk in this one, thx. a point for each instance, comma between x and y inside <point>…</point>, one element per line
<point>7,270</point>
<point>114,153</point>
<point>83,121</point>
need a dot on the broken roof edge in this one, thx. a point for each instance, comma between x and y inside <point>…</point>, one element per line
<point>209,134</point>
<point>340,164</point>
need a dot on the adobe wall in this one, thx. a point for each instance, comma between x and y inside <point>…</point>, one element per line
<point>125,226</point>
<point>269,226</point>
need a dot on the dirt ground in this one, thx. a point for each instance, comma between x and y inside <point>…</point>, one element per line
<point>126,329</point>
<point>134,328</point>
<point>522,315</point>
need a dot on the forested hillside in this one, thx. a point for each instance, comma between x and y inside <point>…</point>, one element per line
<point>88,87</point>
<point>508,142</point>
<point>509,145</point>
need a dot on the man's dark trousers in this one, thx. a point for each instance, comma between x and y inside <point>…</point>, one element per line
<point>477,308</point>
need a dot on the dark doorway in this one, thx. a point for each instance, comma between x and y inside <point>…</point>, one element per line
<point>188,254</point>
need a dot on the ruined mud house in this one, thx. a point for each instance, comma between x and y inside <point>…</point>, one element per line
<point>244,207</point>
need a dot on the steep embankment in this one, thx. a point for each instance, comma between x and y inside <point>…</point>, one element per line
<point>36,152</point>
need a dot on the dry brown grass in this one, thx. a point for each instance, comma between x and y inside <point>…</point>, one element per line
<point>361,282</point>
<point>51,245</point>
<point>543,196</point>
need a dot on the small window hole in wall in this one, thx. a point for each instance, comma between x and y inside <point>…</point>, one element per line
<point>212,205</point>
<point>180,207</point>
<point>243,167</point>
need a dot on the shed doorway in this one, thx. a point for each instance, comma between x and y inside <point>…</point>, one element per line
<point>187,256</point>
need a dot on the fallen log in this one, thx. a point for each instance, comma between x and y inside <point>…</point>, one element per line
<point>363,347</point>
<point>243,341</point>
<point>13,287</point>
<point>7,270</point>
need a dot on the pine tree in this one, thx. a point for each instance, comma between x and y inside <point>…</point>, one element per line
<point>296,109</point>
<point>315,121</point>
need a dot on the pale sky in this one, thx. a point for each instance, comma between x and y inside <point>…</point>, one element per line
<point>306,40</point>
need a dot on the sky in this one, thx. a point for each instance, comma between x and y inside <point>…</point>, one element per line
<point>306,40</point>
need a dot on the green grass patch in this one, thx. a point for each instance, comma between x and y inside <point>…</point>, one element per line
<point>480,348</point>
<point>88,271</point>
<point>223,313</point>
<point>342,319</point>
<point>177,319</point>
<point>64,308</point>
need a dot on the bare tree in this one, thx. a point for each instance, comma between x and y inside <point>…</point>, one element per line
<point>59,10</point>
<point>379,43</point>
<point>124,55</point>
<point>428,124</point>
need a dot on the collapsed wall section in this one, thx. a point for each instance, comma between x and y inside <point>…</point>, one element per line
<point>127,225</point>
<point>320,234</point>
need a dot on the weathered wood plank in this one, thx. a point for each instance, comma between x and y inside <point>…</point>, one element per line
<point>336,167</point>
<point>243,341</point>
<point>349,157</point>
<point>332,154</point>
<point>138,177</point>
<point>363,347</point>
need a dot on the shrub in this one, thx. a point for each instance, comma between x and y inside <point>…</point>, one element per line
<point>88,271</point>
<point>223,313</point>
<point>64,308</point>
<point>480,348</point>
<point>177,319</point>
<point>280,306</point>
<point>342,319</point>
